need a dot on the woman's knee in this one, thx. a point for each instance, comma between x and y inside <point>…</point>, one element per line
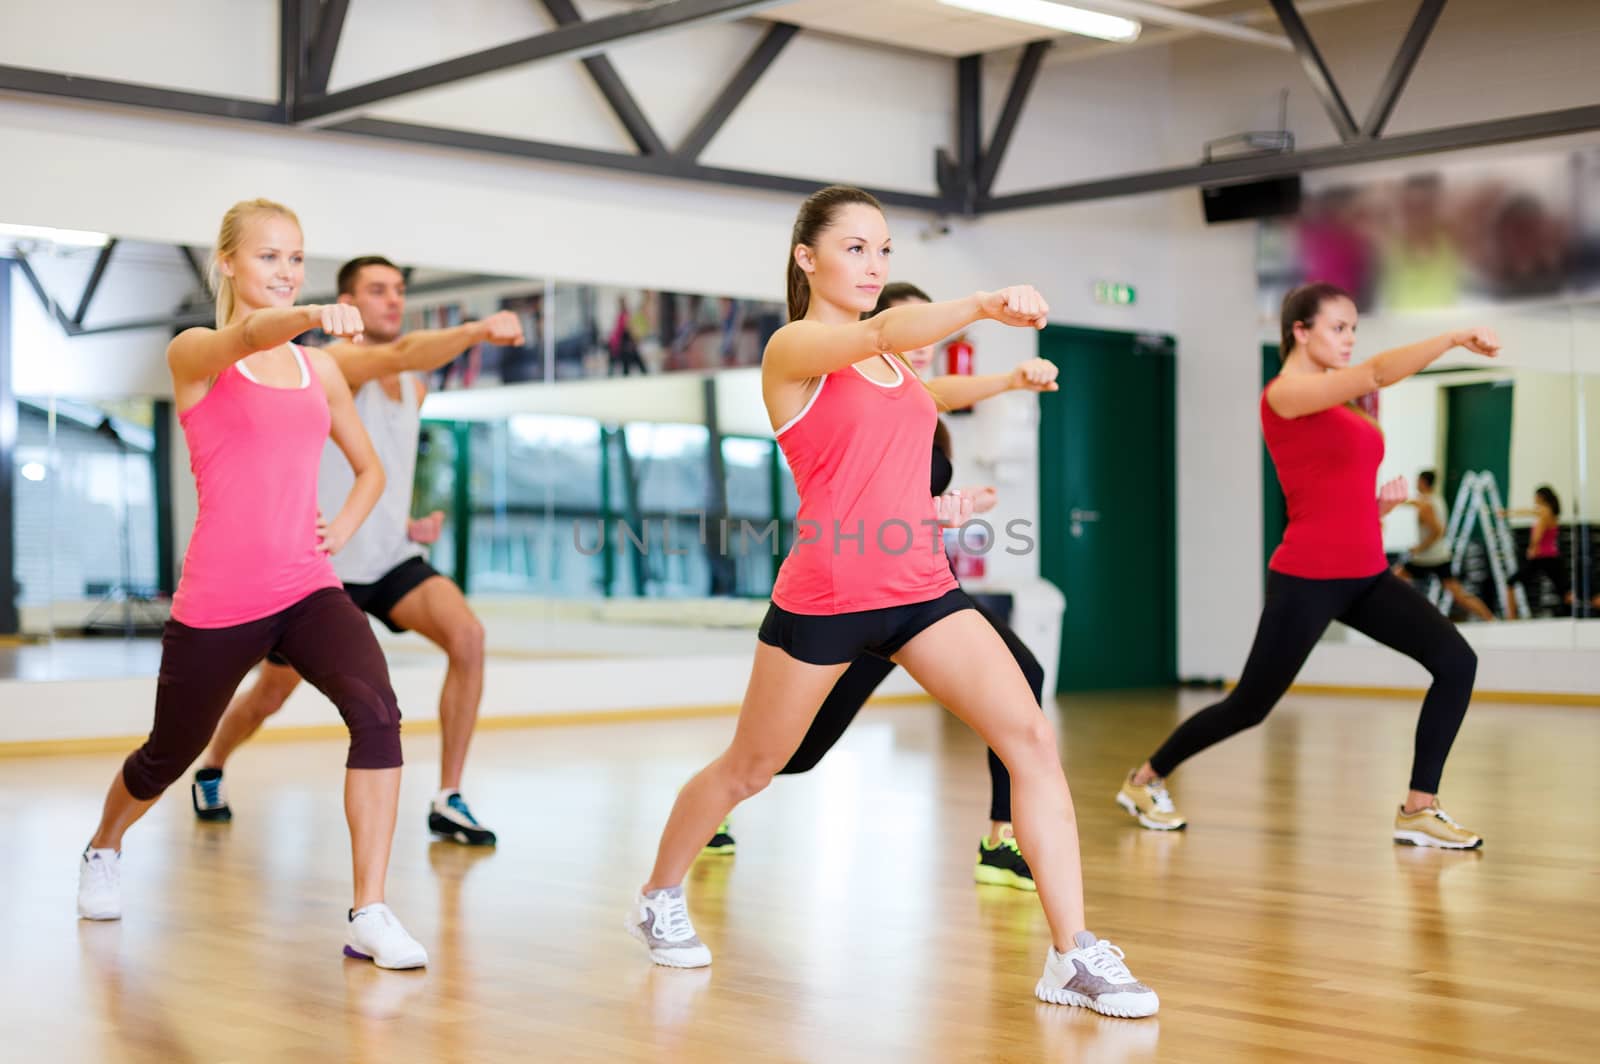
<point>1453,660</point>
<point>746,776</point>
<point>374,744</point>
<point>373,719</point>
<point>1029,743</point>
<point>151,769</point>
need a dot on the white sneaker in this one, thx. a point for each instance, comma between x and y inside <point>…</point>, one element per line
<point>374,934</point>
<point>100,885</point>
<point>1094,976</point>
<point>660,920</point>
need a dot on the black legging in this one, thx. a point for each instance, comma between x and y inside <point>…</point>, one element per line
<point>865,673</point>
<point>1552,567</point>
<point>1296,613</point>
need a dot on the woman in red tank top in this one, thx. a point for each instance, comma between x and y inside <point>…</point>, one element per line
<point>1331,564</point>
<point>256,411</point>
<point>868,574</point>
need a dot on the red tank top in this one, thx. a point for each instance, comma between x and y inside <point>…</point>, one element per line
<point>1548,547</point>
<point>865,533</point>
<point>255,451</point>
<point>1328,466</point>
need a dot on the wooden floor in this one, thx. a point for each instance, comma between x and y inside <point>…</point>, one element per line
<point>1283,926</point>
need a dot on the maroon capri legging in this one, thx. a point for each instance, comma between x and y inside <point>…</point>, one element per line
<point>327,640</point>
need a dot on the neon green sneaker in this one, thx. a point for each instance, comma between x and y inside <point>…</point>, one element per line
<point>1002,865</point>
<point>721,843</point>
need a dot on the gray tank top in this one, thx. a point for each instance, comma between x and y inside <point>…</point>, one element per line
<point>1439,552</point>
<point>380,543</point>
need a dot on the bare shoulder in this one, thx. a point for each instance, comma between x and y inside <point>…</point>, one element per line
<point>189,337</point>
<point>321,361</point>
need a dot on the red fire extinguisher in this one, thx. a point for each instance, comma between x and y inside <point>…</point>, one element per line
<point>958,357</point>
<point>958,361</point>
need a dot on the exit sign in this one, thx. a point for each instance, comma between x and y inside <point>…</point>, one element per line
<point>1116,295</point>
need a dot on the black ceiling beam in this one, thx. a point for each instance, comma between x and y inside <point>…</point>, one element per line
<point>1317,70</point>
<point>97,90</point>
<point>319,64</point>
<point>101,261</point>
<point>732,95</point>
<point>584,38</point>
<point>654,166</point>
<point>609,82</point>
<point>291,53</point>
<point>20,257</point>
<point>1259,167</point>
<point>969,129</point>
<point>1400,70</point>
<point>1027,73</point>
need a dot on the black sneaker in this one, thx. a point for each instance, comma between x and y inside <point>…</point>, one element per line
<point>1003,865</point>
<point>210,800</point>
<point>721,843</point>
<point>451,819</point>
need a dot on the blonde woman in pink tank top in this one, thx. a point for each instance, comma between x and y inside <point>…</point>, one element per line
<point>256,411</point>
<point>867,575</point>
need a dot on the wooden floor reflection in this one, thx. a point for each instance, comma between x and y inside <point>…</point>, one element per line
<point>1283,926</point>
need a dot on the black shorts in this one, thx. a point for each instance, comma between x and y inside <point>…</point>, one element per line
<point>380,597</point>
<point>837,638</point>
<point>1423,572</point>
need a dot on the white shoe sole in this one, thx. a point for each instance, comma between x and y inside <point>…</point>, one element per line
<point>1422,838</point>
<point>1129,1007</point>
<point>663,957</point>
<point>396,966</point>
<point>102,915</point>
<point>1144,821</point>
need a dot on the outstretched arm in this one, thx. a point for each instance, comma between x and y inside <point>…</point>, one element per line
<point>802,350</point>
<point>958,391</point>
<point>1311,393</point>
<point>199,354</point>
<point>423,350</point>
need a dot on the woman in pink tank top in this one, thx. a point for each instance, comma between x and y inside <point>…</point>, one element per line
<point>256,411</point>
<point>867,574</point>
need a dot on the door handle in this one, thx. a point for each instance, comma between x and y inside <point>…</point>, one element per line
<point>1085,515</point>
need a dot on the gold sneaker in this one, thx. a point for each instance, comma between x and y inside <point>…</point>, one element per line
<point>1150,804</point>
<point>1433,827</point>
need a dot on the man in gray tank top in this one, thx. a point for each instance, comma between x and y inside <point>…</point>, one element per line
<point>383,565</point>
<point>1431,557</point>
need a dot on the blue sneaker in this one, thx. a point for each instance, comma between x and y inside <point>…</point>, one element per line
<point>449,818</point>
<point>210,800</point>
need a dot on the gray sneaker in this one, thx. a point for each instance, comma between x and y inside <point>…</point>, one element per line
<point>660,920</point>
<point>1094,976</point>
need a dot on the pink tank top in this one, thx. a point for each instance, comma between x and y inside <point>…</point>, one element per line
<point>255,451</point>
<point>1548,547</point>
<point>865,533</point>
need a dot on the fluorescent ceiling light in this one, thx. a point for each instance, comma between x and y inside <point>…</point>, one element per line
<point>1055,16</point>
<point>71,237</point>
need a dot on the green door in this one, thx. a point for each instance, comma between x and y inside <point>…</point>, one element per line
<point>1477,435</point>
<point>1107,505</point>
<point>1274,507</point>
